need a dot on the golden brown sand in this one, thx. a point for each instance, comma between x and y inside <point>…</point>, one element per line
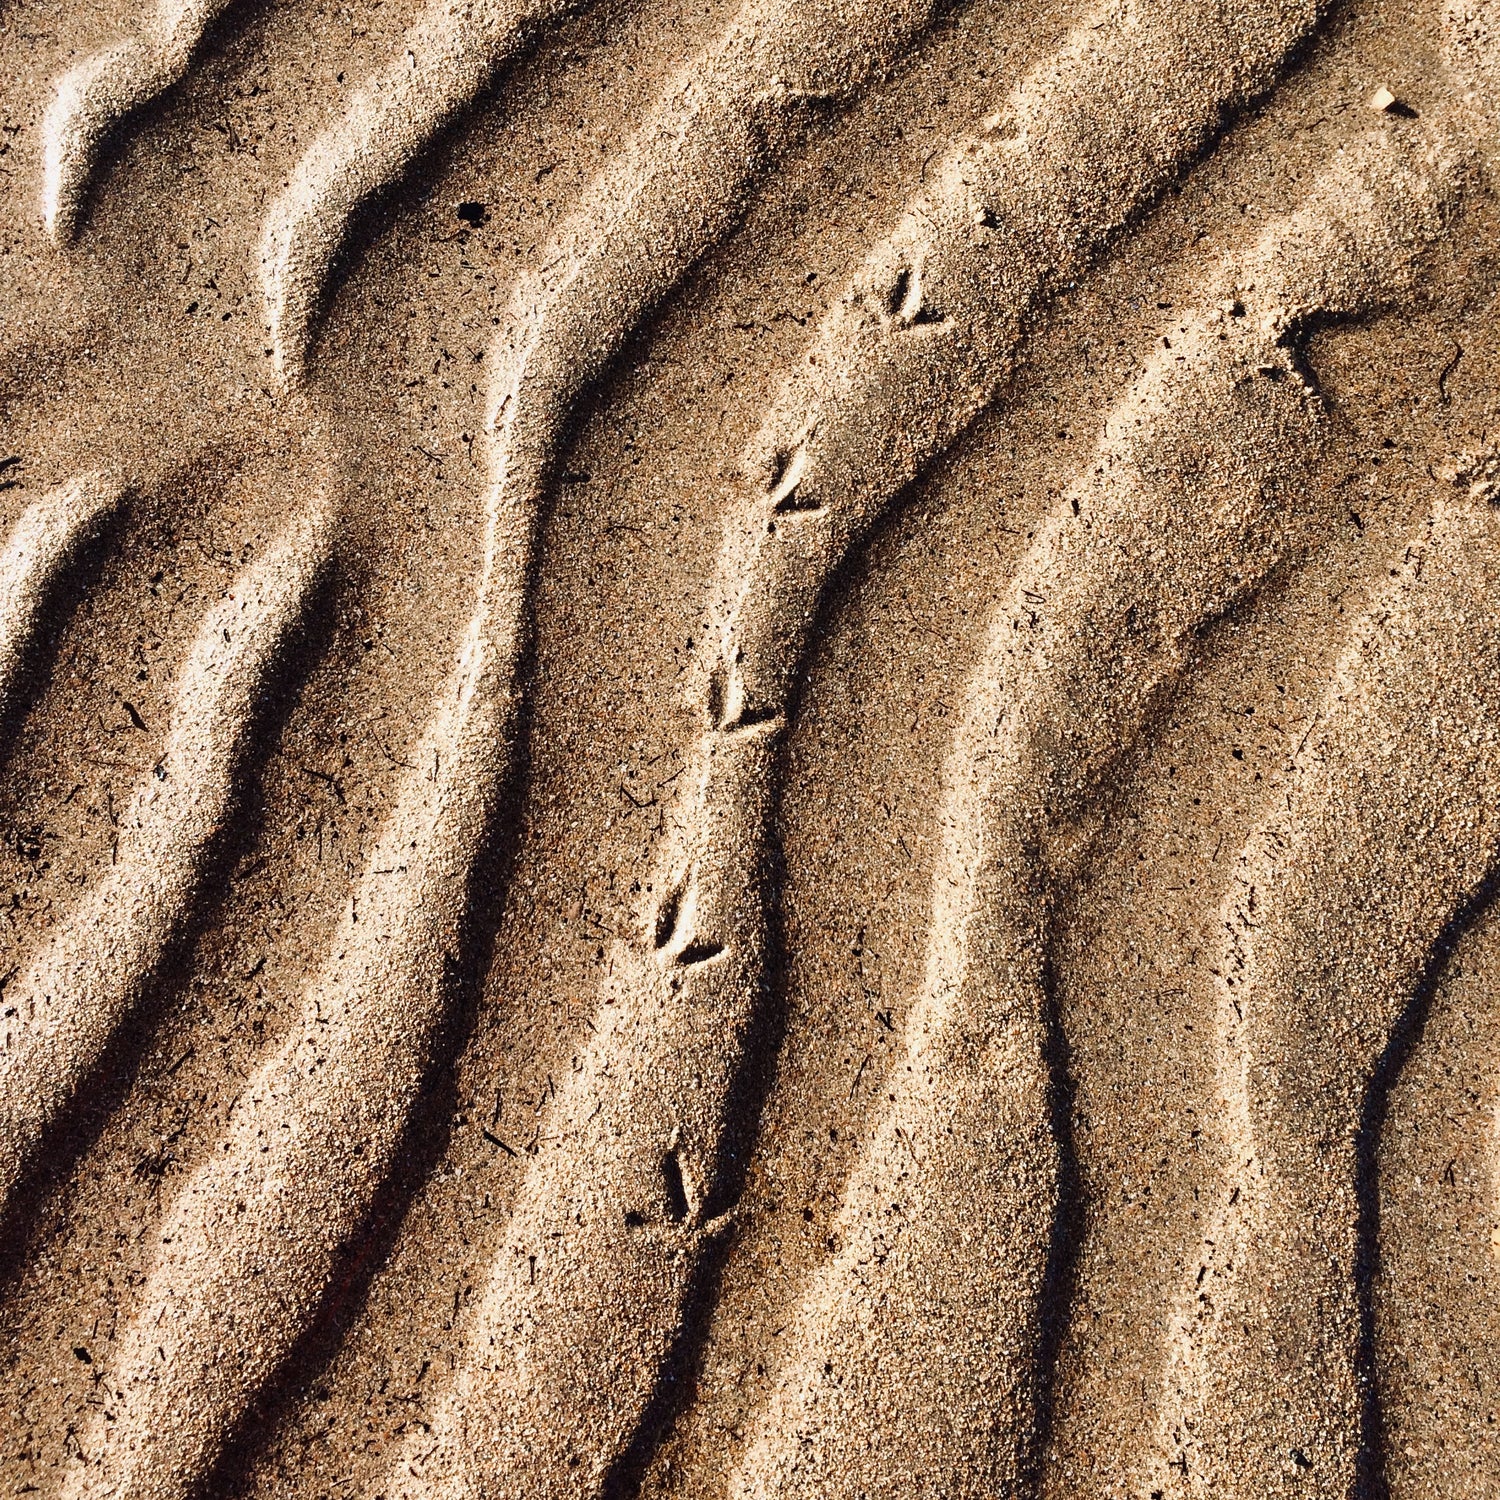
<point>749,748</point>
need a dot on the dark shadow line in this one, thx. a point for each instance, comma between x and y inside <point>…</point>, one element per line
<point>754,1077</point>
<point>73,582</point>
<point>414,184</point>
<point>1370,1478</point>
<point>426,1136</point>
<point>220,33</point>
<point>1059,1279</point>
<point>677,1383</point>
<point>110,1082</point>
<point>756,1073</point>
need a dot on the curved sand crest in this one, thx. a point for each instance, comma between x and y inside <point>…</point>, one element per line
<point>257,1232</point>
<point>1387,833</point>
<point>614,1223</point>
<point>717,129</point>
<point>447,59</point>
<point>39,551</point>
<point>61,1014</point>
<point>678,926</point>
<point>95,97</point>
<point>947,1225</point>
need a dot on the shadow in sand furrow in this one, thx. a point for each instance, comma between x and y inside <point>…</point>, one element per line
<point>260,1230</point>
<point>1386,841</point>
<point>618,1216</point>
<point>94,99</point>
<point>448,59</point>
<point>949,1229</point>
<point>62,1015</point>
<point>43,549</point>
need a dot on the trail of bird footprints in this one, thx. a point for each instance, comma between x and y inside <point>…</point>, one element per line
<point>947,1232</point>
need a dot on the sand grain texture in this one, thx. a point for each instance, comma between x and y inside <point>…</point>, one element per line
<point>743,742</point>
<point>964,1168</point>
<point>1326,950</point>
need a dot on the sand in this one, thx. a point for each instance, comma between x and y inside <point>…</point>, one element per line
<point>749,749</point>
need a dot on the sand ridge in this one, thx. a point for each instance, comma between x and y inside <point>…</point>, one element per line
<point>1400,755</point>
<point>616,1228</point>
<point>1112,573</point>
<point>41,546</point>
<point>635,1193</point>
<point>63,1012</point>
